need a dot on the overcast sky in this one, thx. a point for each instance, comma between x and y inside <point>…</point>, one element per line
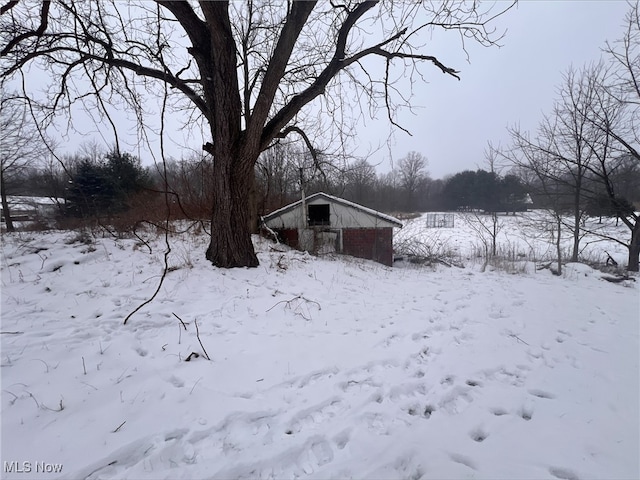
<point>499,87</point>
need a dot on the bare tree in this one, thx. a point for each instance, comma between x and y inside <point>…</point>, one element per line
<point>189,181</point>
<point>565,155</point>
<point>493,226</point>
<point>278,176</point>
<point>623,83</point>
<point>20,148</point>
<point>243,71</point>
<point>584,146</point>
<point>412,171</point>
<point>536,168</point>
<point>360,178</point>
<point>617,115</point>
<point>614,114</point>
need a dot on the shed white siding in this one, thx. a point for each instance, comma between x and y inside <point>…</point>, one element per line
<point>343,214</point>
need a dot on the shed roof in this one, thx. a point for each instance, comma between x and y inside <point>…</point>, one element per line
<point>342,201</point>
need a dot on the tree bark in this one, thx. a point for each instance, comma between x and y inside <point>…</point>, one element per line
<point>634,249</point>
<point>231,244</point>
<point>5,205</point>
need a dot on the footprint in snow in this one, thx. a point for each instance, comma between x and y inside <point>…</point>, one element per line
<point>463,460</point>
<point>141,351</point>
<point>407,390</point>
<point>342,438</point>
<point>315,415</point>
<point>376,423</point>
<point>562,336</point>
<point>541,393</point>
<point>313,377</point>
<point>359,384</point>
<point>456,400</point>
<point>320,451</point>
<point>416,410</point>
<point>377,397</point>
<point>448,380</point>
<point>498,411</point>
<point>390,340</point>
<point>526,412</point>
<point>416,337</point>
<point>563,473</point>
<point>478,434</point>
<point>176,382</point>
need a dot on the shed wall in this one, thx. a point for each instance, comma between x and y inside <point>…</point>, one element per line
<point>370,243</point>
<point>341,216</point>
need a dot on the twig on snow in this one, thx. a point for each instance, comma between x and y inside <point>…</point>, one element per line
<point>183,324</point>
<point>15,397</point>
<point>198,335</point>
<point>119,427</point>
<point>297,307</point>
<point>518,338</point>
<point>179,330</point>
<point>194,385</point>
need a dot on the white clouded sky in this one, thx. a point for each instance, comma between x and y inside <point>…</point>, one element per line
<point>453,120</point>
<point>500,87</point>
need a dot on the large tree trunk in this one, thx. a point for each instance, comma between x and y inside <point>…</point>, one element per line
<point>231,244</point>
<point>5,205</point>
<point>634,249</point>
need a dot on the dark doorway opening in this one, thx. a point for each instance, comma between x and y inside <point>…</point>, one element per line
<point>319,215</point>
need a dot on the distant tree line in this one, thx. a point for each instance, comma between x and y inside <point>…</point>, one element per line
<point>94,184</point>
<point>109,186</point>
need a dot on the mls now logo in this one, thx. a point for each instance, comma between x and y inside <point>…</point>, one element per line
<point>28,467</point>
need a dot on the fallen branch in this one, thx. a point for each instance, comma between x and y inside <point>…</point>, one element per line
<point>297,307</point>
<point>271,232</point>
<point>198,335</point>
<point>610,260</point>
<point>619,279</point>
<point>192,355</point>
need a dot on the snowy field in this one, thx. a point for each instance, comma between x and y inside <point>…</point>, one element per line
<point>320,367</point>
<point>527,236</point>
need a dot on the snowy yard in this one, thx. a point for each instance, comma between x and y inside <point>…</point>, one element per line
<point>320,367</point>
<point>527,236</point>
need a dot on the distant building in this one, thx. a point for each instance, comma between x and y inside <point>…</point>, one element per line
<point>323,223</point>
<point>28,209</point>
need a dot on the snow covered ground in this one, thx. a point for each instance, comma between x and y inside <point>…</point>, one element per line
<point>320,367</point>
<point>526,236</point>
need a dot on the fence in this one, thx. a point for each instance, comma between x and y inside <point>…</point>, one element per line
<point>439,220</point>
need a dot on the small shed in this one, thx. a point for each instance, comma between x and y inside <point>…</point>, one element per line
<point>26,209</point>
<point>322,223</point>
